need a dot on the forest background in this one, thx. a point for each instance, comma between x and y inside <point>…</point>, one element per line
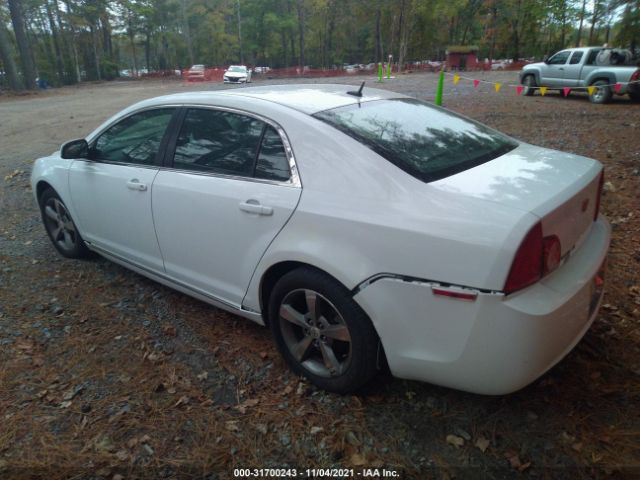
<point>70,41</point>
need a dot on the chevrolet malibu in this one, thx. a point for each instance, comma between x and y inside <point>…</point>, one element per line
<point>365,228</point>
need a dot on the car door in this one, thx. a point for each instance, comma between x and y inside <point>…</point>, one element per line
<point>572,69</point>
<point>111,190</point>
<point>228,192</point>
<point>553,72</point>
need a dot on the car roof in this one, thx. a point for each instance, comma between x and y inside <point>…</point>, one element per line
<point>306,98</point>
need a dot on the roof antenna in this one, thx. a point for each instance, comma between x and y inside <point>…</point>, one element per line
<point>358,93</point>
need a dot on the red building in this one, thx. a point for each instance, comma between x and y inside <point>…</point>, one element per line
<point>462,57</point>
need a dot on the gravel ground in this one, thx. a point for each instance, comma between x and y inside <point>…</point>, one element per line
<point>105,374</point>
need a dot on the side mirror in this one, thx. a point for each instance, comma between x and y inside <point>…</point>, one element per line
<point>75,149</point>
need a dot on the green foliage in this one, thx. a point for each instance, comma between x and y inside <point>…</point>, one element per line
<point>94,39</point>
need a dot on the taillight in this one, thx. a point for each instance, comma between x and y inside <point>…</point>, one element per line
<point>527,264</point>
<point>600,185</point>
<point>536,257</point>
<point>635,77</point>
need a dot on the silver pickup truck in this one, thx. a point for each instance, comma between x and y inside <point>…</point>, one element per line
<point>577,67</point>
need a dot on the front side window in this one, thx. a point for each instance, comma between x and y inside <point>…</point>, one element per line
<point>425,141</point>
<point>136,139</point>
<point>559,58</point>
<point>218,141</point>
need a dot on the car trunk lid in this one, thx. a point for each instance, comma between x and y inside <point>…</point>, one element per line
<point>560,188</point>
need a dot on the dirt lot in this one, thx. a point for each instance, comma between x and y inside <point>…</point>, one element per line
<point>105,374</point>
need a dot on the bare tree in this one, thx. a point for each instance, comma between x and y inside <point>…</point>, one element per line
<point>26,59</point>
<point>6,55</point>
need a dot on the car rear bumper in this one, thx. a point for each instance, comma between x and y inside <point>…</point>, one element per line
<point>495,344</point>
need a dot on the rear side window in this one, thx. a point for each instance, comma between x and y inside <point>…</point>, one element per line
<point>425,141</point>
<point>575,58</point>
<point>218,141</point>
<point>272,161</point>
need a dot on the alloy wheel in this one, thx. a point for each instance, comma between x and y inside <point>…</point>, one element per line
<point>315,333</point>
<point>59,224</point>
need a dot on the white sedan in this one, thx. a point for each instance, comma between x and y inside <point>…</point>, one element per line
<point>363,227</point>
<point>237,74</point>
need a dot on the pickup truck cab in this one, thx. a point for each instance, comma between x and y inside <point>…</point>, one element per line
<point>577,68</point>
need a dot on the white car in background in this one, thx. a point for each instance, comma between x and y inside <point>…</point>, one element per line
<point>362,227</point>
<point>237,74</point>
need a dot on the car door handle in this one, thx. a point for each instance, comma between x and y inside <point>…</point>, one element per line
<point>134,184</point>
<point>253,206</point>
<point>561,68</point>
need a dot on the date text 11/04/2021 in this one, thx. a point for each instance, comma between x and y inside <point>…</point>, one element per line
<point>315,473</point>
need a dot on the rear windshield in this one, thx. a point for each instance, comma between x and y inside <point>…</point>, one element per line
<point>425,141</point>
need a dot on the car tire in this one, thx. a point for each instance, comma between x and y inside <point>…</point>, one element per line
<point>304,306</point>
<point>602,93</point>
<point>60,227</point>
<point>635,96</point>
<point>529,83</point>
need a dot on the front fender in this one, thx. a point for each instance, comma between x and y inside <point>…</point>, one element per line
<point>530,71</point>
<point>54,171</point>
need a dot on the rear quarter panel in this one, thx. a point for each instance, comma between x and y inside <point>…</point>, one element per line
<point>359,216</point>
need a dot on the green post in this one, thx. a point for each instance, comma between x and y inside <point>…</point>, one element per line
<point>388,70</point>
<point>440,88</point>
<point>380,72</point>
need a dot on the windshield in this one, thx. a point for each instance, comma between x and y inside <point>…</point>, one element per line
<point>425,141</point>
<point>237,69</point>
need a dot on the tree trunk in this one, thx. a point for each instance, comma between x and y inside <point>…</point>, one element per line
<point>300,9</point>
<point>563,28</point>
<point>329,38</point>
<point>56,43</point>
<point>94,43</point>
<point>133,49</point>
<point>582,12</point>
<point>63,40</point>
<point>187,33</point>
<point>147,49</point>
<point>74,48</point>
<point>378,40</point>
<point>6,55</point>
<point>240,33</point>
<point>28,69</point>
<point>283,40</point>
<point>594,20</point>
<point>107,46</point>
<point>494,27</point>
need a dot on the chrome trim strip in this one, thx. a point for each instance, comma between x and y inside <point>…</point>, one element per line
<point>427,283</point>
<point>162,278</point>
<point>230,177</point>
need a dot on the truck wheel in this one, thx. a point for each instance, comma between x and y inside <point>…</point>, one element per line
<point>602,93</point>
<point>530,85</point>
